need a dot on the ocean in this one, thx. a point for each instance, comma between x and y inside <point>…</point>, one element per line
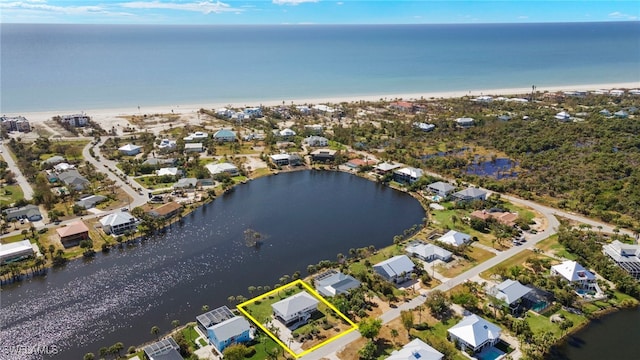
<point>81,67</point>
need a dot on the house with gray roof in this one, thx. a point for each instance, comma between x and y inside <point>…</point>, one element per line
<point>385,167</point>
<point>186,184</point>
<point>428,252</point>
<point>90,201</point>
<point>73,179</point>
<point>474,333</point>
<point>454,238</point>
<point>231,331</point>
<point>118,223</point>
<point>332,283</point>
<point>165,349</point>
<point>224,135</point>
<point>416,350</point>
<point>512,292</point>
<point>398,269</point>
<point>53,160</point>
<point>29,212</point>
<point>626,256</point>
<point>441,188</point>
<point>296,309</point>
<point>470,194</point>
<point>213,317</point>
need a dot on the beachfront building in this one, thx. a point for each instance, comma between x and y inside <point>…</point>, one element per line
<point>398,269</point>
<point>428,252</point>
<point>626,256</point>
<point>165,349</point>
<point>130,149</point>
<point>465,122</point>
<point>416,350</point>
<point>474,333</point>
<point>470,194</point>
<point>15,123</point>
<point>28,212</point>
<point>16,251</point>
<point>73,234</point>
<point>224,135</point>
<point>323,155</point>
<point>215,169</point>
<point>253,112</point>
<point>296,309</point>
<point>316,141</point>
<point>323,109</point>
<point>75,120</point>
<point>333,282</point>
<point>407,175</point>
<point>235,330</point>
<point>455,238</point>
<point>196,136</point>
<point>440,188</point>
<point>118,223</point>
<point>580,278</point>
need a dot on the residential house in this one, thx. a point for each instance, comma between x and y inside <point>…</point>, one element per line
<point>483,99</point>
<point>424,126</point>
<point>403,106</point>
<point>159,162</point>
<point>470,194</point>
<point>504,218</point>
<point>213,317</point>
<point>73,234</point>
<point>625,256</point>
<point>165,211</point>
<point>579,277</point>
<point>616,92</point>
<point>465,122</point>
<point>73,179</point>
<point>323,109</point>
<point>605,112</point>
<point>29,212</point>
<point>16,251</point>
<point>76,120</point>
<point>407,175</point>
<point>455,238</point>
<point>193,147</point>
<point>512,292</point>
<point>280,159</point>
<point>186,184</point>
<point>231,331</point>
<point>314,128</point>
<point>563,116</point>
<point>53,160</point>
<point>441,188</point>
<point>398,269</point>
<point>285,134</point>
<point>323,155</point>
<point>130,149</point>
<point>15,123</point>
<point>228,168</point>
<point>385,167</point>
<point>303,109</point>
<point>621,114</point>
<point>224,135</point>
<point>87,202</point>
<point>428,252</point>
<point>474,333</point>
<point>333,282</point>
<point>416,349</point>
<point>63,166</point>
<point>358,163</point>
<point>118,223</point>
<point>634,92</point>
<point>504,117</point>
<point>169,171</point>
<point>196,136</point>
<point>224,112</point>
<point>253,112</point>
<point>295,309</point>
<point>165,349</point>
<point>316,141</point>
<point>167,145</point>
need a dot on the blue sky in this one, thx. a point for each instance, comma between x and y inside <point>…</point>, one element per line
<point>313,11</point>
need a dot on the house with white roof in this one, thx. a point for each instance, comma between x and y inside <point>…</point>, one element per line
<point>193,147</point>
<point>616,92</point>
<point>333,282</point>
<point>167,145</point>
<point>224,112</point>
<point>416,350</point>
<point>424,126</point>
<point>470,194</point>
<point>253,112</point>
<point>316,141</point>
<point>118,223</point>
<point>16,251</point>
<point>75,120</point>
<point>224,135</point>
<point>63,166</point>
<point>130,149</point>
<point>324,109</point>
<point>483,99</point>
<point>196,136</point>
<point>285,133</point>
<point>579,277</point>
<point>428,252</point>
<point>398,269</point>
<point>236,330</point>
<point>474,333</point>
<point>286,159</point>
<point>626,256</point>
<point>465,122</point>
<point>169,171</point>
<point>385,167</point>
<point>228,168</point>
<point>455,238</point>
<point>621,114</point>
<point>295,309</point>
<point>563,116</point>
<point>634,91</point>
<point>407,175</point>
<point>441,188</point>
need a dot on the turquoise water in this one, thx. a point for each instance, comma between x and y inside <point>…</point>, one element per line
<point>55,67</point>
<point>489,354</point>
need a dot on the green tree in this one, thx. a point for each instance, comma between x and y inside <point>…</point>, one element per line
<point>406,316</point>
<point>155,331</point>
<point>370,328</point>
<point>89,356</point>
<point>235,352</point>
<point>438,303</point>
<point>175,323</point>
<point>368,351</point>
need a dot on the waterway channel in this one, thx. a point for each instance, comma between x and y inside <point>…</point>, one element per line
<point>308,216</point>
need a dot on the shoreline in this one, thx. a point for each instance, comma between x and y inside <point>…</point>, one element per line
<point>110,113</point>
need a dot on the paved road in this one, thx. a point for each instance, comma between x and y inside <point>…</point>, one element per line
<point>20,179</point>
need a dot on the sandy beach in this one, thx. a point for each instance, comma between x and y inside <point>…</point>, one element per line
<point>113,117</point>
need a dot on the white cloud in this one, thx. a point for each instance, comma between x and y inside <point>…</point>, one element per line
<point>205,7</point>
<point>620,15</point>
<point>293,2</point>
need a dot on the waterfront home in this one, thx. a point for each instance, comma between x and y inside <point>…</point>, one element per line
<point>169,171</point>
<point>441,188</point>
<point>72,179</point>
<point>512,292</point>
<point>385,167</point>
<point>407,175</point>
<point>213,317</point>
<point>87,202</point>
<point>398,269</point>
<point>231,331</point>
<point>167,145</point>
<point>303,109</point>
<point>186,184</point>
<point>323,109</point>
<point>224,135</point>
<point>16,251</point>
<point>54,160</point>
<point>29,212</point>
<point>424,126</point>
<point>626,256</point>
<point>286,159</point>
<point>165,349</point>
<point>465,122</point>
<point>333,282</point>
<point>563,116</point>
<point>428,252</point>
<point>118,223</point>
<point>323,155</point>
<point>483,99</point>
<point>224,112</point>
<point>165,211</point>
<point>634,92</point>
<point>215,169</point>
<point>130,149</point>
<point>73,234</point>
<point>76,120</point>
<point>470,194</point>
<point>316,141</point>
<point>579,277</point>
<point>358,163</point>
<point>455,238</point>
<point>416,349</point>
<point>474,333</point>
<point>616,92</point>
<point>15,123</point>
<point>193,147</point>
<point>196,136</point>
<point>296,309</point>
<point>505,218</point>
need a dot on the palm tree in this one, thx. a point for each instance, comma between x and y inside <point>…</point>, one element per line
<point>205,308</point>
<point>175,323</point>
<point>89,356</point>
<point>117,348</point>
<point>394,335</point>
<point>155,331</point>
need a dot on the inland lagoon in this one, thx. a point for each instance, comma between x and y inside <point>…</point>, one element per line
<point>307,216</point>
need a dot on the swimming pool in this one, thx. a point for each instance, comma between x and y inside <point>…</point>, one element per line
<point>489,354</point>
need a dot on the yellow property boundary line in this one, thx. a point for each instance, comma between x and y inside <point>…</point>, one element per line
<point>314,294</point>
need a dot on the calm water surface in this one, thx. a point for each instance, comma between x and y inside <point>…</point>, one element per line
<point>309,216</point>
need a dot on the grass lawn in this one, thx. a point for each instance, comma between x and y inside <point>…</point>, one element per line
<point>14,238</point>
<point>265,344</point>
<point>228,149</point>
<point>238,179</point>
<point>260,173</point>
<point>552,245</point>
<point>477,256</point>
<point>518,259</point>
<point>190,334</point>
<point>334,145</point>
<point>10,194</point>
<point>540,323</point>
<point>358,267</point>
<point>443,219</point>
<point>261,308</point>
<point>149,182</point>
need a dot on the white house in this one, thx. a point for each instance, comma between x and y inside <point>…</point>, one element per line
<point>224,112</point>
<point>576,274</point>
<point>16,251</point>
<point>169,171</point>
<point>193,147</point>
<point>424,126</point>
<point>228,168</point>
<point>224,135</point>
<point>455,238</point>
<point>626,256</point>
<point>75,120</point>
<point>167,145</point>
<point>407,174</point>
<point>332,283</point>
<point>196,136</point>
<point>416,350</point>
<point>324,109</point>
<point>428,252</point>
<point>483,99</point>
<point>253,112</point>
<point>385,167</point>
<point>316,141</point>
<point>474,333</point>
<point>285,133</point>
<point>616,92</point>
<point>563,116</point>
<point>398,269</point>
<point>118,223</point>
<point>465,122</point>
<point>296,308</point>
<point>130,149</point>
<point>441,188</point>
